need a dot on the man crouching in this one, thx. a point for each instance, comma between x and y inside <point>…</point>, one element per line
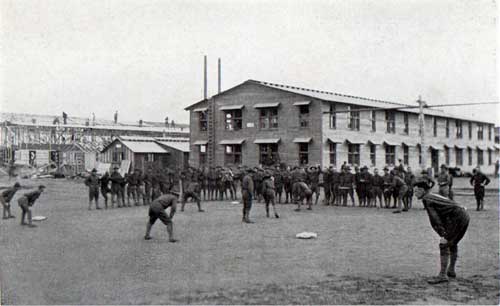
<point>157,211</point>
<point>26,202</point>
<point>450,221</point>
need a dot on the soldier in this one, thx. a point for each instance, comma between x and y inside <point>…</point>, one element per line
<point>148,182</point>
<point>105,188</point>
<point>336,194</point>
<point>450,222</point>
<point>359,189</point>
<point>399,188</point>
<point>157,211</point>
<point>346,186</point>
<point>155,185</point>
<point>232,185</point>
<point>427,178</point>
<point>26,202</point>
<point>444,181</point>
<point>227,178</point>
<point>287,184</point>
<point>117,193</point>
<point>377,188</point>
<point>93,183</point>
<point>202,180</point>
<point>125,189</point>
<point>409,181</point>
<point>5,198</point>
<point>303,192</point>
<point>363,186</point>
<point>278,183</point>
<point>313,178</point>
<point>140,187</point>
<point>479,180</point>
<point>327,185</point>
<point>221,184</point>
<point>257,180</point>
<point>387,178</point>
<point>212,183</point>
<point>268,191</point>
<point>132,188</point>
<point>192,190</point>
<point>247,193</point>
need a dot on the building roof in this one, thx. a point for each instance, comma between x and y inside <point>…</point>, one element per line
<point>177,145</point>
<point>348,99</point>
<point>144,147</point>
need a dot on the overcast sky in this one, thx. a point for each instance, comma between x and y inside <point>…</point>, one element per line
<point>145,58</point>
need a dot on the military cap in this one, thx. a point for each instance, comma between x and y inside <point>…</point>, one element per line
<point>386,168</point>
<point>443,166</point>
<point>94,170</point>
<point>364,168</point>
<point>116,167</point>
<point>41,187</point>
<point>17,185</point>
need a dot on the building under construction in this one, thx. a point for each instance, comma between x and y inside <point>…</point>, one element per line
<point>264,123</point>
<point>30,132</point>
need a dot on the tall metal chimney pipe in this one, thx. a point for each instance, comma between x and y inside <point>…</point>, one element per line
<point>205,78</point>
<point>219,77</point>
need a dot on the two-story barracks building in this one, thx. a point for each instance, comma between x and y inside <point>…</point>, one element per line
<point>260,123</point>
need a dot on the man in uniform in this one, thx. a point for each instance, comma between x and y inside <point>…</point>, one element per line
<point>450,222</point>
<point>202,180</point>
<point>313,178</point>
<point>479,180</point>
<point>359,189</point>
<point>400,189</point>
<point>377,188</point>
<point>105,188</point>
<point>212,185</point>
<point>303,192</point>
<point>278,183</point>
<point>287,184</point>
<point>257,181</point>
<point>139,187</point>
<point>192,190</point>
<point>387,178</point>
<point>148,182</point>
<point>5,198</point>
<point>444,181</point>
<point>157,211</point>
<point>327,185</point>
<point>117,193</point>
<point>268,191</point>
<point>155,184</point>
<point>26,202</point>
<point>93,183</point>
<point>336,178</point>
<point>247,193</point>
<point>409,181</point>
<point>363,186</point>
<point>347,185</point>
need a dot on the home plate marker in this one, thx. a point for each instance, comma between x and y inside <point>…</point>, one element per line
<point>38,218</point>
<point>306,235</point>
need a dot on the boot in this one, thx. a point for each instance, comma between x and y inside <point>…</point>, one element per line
<point>267,210</point>
<point>170,231</point>
<point>199,207</point>
<point>445,255</point>
<point>148,231</point>
<point>451,268</point>
<point>247,217</point>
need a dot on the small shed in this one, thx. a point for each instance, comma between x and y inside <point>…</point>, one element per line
<point>142,152</point>
<point>178,149</point>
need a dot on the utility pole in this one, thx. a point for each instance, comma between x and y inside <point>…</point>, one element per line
<point>421,122</point>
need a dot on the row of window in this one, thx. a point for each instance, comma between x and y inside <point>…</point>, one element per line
<point>269,155</point>
<point>268,118</point>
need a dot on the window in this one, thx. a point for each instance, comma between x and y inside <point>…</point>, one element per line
<point>233,120</point>
<point>303,153</point>
<point>333,153</point>
<point>203,122</point>
<point>353,122</point>
<point>268,154</point>
<point>333,117</point>
<point>203,154</point>
<point>470,130</point>
<point>458,127</point>
<point>373,154</point>
<point>489,132</point>
<point>118,154</point>
<point>459,159</point>
<point>489,157</point>
<point>374,121</point>
<point>390,155</point>
<point>479,157</point>
<point>446,155</point>
<point>304,116</point>
<point>149,157</point>
<point>469,152</point>
<point>419,149</point>
<point>390,119</point>
<point>480,131</point>
<point>435,127</point>
<point>406,154</point>
<point>447,128</point>
<point>268,118</point>
<point>232,154</point>
<point>353,154</point>
<point>407,124</point>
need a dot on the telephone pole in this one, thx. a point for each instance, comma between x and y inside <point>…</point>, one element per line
<point>421,122</point>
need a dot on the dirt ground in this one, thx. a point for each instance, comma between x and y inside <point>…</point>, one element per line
<point>361,255</point>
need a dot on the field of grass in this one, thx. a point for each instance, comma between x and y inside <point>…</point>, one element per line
<point>361,255</point>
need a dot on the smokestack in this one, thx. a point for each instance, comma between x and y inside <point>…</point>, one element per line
<point>205,78</point>
<point>219,77</point>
